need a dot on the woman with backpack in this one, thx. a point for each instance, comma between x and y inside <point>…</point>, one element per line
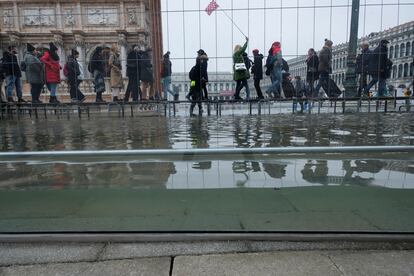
<point>240,72</point>
<point>52,70</point>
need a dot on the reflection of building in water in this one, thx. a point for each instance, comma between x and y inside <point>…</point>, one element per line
<point>401,53</point>
<point>82,25</point>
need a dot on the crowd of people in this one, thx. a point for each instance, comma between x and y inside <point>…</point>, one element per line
<point>43,69</point>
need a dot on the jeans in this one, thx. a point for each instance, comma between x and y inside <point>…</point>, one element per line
<point>276,77</point>
<point>239,86</point>
<point>166,85</point>
<point>35,90</point>
<point>52,88</point>
<point>323,77</point>
<point>12,81</point>
<point>382,86</point>
<point>258,89</point>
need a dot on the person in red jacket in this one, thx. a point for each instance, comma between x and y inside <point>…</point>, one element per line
<point>52,70</point>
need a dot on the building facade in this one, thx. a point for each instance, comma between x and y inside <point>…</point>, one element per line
<point>83,25</point>
<point>401,53</point>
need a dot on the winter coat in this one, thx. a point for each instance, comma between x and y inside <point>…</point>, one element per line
<point>52,68</point>
<point>116,71</point>
<point>11,65</point>
<point>35,72</point>
<point>378,62</point>
<point>257,69</point>
<point>166,68</point>
<point>146,73</point>
<point>238,58</point>
<point>97,62</point>
<point>312,71</point>
<point>73,70</point>
<point>325,58</point>
<point>202,63</point>
<point>2,76</point>
<point>132,65</point>
<point>362,61</point>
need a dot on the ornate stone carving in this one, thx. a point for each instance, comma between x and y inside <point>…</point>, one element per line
<point>97,16</point>
<point>39,17</point>
<point>132,16</point>
<point>8,18</point>
<point>69,19</point>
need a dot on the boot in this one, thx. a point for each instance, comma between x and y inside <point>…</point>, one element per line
<point>115,99</point>
<point>53,100</point>
<point>176,96</point>
<point>10,100</point>
<point>21,100</point>
<point>192,111</point>
<point>200,112</point>
<point>99,98</point>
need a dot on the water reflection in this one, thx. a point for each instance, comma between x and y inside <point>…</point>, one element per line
<point>212,132</point>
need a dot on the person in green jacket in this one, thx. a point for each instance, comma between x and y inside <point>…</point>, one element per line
<point>240,72</point>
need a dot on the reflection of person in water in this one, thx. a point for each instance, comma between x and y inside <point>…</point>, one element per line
<point>275,170</point>
<point>316,173</point>
<point>199,139</point>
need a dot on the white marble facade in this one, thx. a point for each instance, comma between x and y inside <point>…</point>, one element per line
<point>81,24</point>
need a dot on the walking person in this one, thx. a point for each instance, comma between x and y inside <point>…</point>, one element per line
<point>97,68</point>
<point>379,68</point>
<point>362,63</point>
<point>12,74</point>
<point>257,71</point>
<point>146,74</point>
<point>196,88</point>
<point>202,59</point>
<point>240,72</point>
<point>74,79</point>
<point>35,73</point>
<point>50,59</point>
<point>114,63</point>
<point>274,64</point>
<point>2,77</point>
<point>299,94</point>
<point>312,72</point>
<point>325,68</point>
<point>166,71</point>
<point>133,75</point>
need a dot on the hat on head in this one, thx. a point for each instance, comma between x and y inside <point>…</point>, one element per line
<point>52,47</point>
<point>201,52</point>
<point>75,52</point>
<point>30,47</point>
<point>255,51</point>
<point>328,42</point>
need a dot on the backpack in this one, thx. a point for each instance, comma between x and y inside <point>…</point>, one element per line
<point>66,70</point>
<point>192,74</point>
<point>23,66</point>
<point>247,62</point>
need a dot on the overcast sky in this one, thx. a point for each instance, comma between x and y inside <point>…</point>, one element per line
<point>298,24</point>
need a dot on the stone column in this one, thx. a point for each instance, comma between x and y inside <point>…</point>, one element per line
<point>58,41</point>
<point>156,41</point>
<point>16,16</point>
<point>80,47</point>
<point>122,42</point>
<point>59,18</point>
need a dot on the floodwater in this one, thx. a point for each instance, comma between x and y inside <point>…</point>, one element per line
<point>209,132</point>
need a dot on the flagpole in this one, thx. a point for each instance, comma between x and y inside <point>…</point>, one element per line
<point>232,21</point>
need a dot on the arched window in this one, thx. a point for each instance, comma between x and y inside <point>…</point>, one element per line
<point>402,50</point>
<point>408,49</point>
<point>406,70</point>
<point>411,69</point>
<point>397,51</point>
<point>391,52</point>
<point>394,71</point>
<point>400,70</point>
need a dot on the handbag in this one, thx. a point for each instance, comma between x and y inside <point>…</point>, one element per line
<point>240,67</point>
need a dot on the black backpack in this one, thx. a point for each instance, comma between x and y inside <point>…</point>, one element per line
<point>192,74</point>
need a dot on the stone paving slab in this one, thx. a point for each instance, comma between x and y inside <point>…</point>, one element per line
<point>391,263</point>
<point>16,253</point>
<point>282,263</point>
<point>157,266</point>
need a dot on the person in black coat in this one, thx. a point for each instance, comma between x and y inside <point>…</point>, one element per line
<point>12,74</point>
<point>133,74</point>
<point>379,68</point>
<point>146,73</point>
<point>97,69</point>
<point>196,88</point>
<point>73,77</point>
<point>257,71</point>
<point>362,63</point>
<point>202,60</point>
<point>312,73</point>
